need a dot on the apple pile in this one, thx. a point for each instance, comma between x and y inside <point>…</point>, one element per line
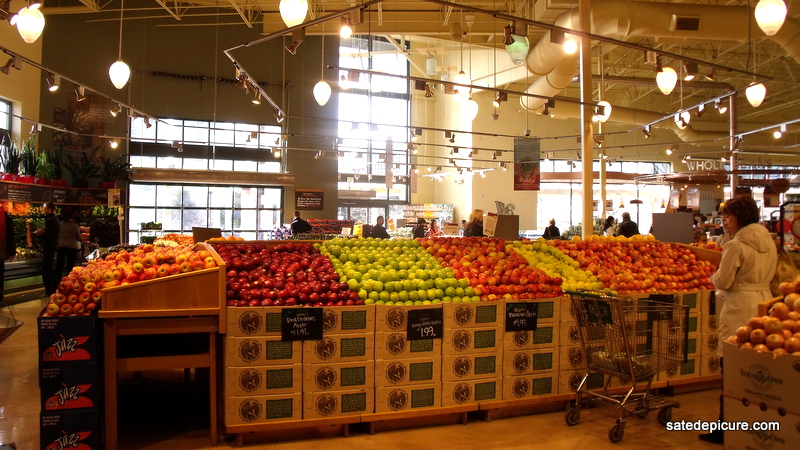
<point>555,263</point>
<point>493,271</point>
<point>639,266</point>
<point>397,271</point>
<point>80,292</point>
<point>283,275</point>
<point>778,332</point>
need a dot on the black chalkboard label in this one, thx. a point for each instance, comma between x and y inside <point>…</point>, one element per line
<point>521,316</point>
<point>425,324</point>
<point>598,311</point>
<point>301,324</point>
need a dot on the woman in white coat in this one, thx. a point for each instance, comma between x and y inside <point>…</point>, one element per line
<point>742,280</point>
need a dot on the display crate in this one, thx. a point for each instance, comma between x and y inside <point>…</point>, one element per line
<point>786,437</point>
<point>528,362</point>
<point>571,358</point>
<point>339,348</point>
<point>394,318</point>
<point>471,367</point>
<point>479,314</point>
<point>761,377</point>
<point>527,386</point>
<point>348,320</point>
<point>458,393</point>
<point>339,376</point>
<point>408,398</point>
<point>263,409</point>
<point>70,429</point>
<point>544,336</point>
<point>263,380</point>
<point>568,381</point>
<point>254,321</point>
<point>570,334</point>
<point>69,386</point>
<point>688,369</point>
<point>321,405</point>
<point>397,345</point>
<point>708,343</point>
<point>261,350</point>
<point>65,339</point>
<point>710,364</point>
<point>471,340</point>
<point>406,372</point>
<point>549,309</point>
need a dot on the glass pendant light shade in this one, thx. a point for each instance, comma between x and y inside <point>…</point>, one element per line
<point>666,80</point>
<point>606,111</point>
<point>770,15</point>
<point>519,49</point>
<point>470,109</point>
<point>322,92</point>
<point>462,83</point>
<point>120,73</point>
<point>682,119</point>
<point>755,94</point>
<point>30,23</point>
<point>293,12</point>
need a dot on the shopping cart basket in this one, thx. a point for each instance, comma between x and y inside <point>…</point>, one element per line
<point>632,340</point>
<point>8,325</point>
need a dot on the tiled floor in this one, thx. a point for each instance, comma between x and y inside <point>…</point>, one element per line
<point>19,419</point>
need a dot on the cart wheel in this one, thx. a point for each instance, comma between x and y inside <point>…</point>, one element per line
<point>664,416</point>
<point>642,414</point>
<point>616,432</point>
<point>573,416</point>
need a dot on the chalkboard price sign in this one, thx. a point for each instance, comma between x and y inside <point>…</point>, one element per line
<point>301,324</point>
<point>425,324</point>
<point>521,316</point>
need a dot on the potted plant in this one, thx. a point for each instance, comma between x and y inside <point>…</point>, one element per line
<point>28,159</point>
<point>117,169</point>
<point>9,157</point>
<point>45,170</point>
<point>81,169</point>
<point>55,160</point>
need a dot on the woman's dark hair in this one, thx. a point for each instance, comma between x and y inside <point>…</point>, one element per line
<point>743,208</point>
<point>609,222</point>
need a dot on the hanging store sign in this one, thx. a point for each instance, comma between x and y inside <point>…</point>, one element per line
<point>527,173</point>
<point>309,199</point>
<point>37,193</point>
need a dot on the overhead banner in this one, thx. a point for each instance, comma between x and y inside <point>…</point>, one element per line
<point>527,174</point>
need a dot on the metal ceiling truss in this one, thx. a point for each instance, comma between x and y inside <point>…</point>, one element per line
<point>179,10</point>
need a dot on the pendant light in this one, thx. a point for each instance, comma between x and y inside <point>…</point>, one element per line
<point>30,22</point>
<point>755,94</point>
<point>461,80</point>
<point>770,15</point>
<point>322,90</point>
<point>666,79</point>
<point>603,111</point>
<point>470,109</point>
<point>293,12</point>
<point>516,46</point>
<point>119,72</point>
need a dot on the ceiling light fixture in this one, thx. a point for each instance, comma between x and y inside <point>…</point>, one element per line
<point>495,116</point>
<point>257,97</point>
<point>298,36</point>
<point>430,64</point>
<point>779,132</point>
<point>116,110</point>
<point>12,62</point>
<point>720,107</point>
<point>755,94</point>
<point>147,123</point>
<point>517,46</point>
<point>113,143</point>
<point>80,93</point>
<point>53,82</point>
<point>700,110</point>
<point>666,79</point>
<point>29,21</point>
<point>470,108</point>
<point>279,116</point>
<point>669,151</point>
<point>119,72</point>
<point>293,12</point>
<point>770,15</point>
<point>428,91</point>
<point>346,31</point>
<point>322,90</point>
<point>690,69</point>
<point>501,97</point>
<point>602,111</point>
<point>647,132</point>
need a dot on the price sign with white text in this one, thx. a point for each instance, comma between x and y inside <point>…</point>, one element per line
<point>425,324</point>
<point>521,316</point>
<point>301,324</point>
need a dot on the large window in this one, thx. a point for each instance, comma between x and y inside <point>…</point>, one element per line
<point>249,212</point>
<point>5,120</point>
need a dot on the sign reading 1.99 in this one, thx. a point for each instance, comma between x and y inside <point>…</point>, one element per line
<point>301,324</point>
<point>425,324</point>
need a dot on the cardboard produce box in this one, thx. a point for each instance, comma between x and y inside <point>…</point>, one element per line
<point>70,429</point>
<point>568,381</point>
<point>710,364</point>
<point>67,338</point>
<point>785,438</point>
<point>528,362</point>
<point>761,378</point>
<point>263,380</point>
<point>394,318</point>
<point>688,369</point>
<point>549,309</point>
<point>405,372</point>
<point>471,340</point>
<point>458,393</point>
<point>396,345</point>
<point>481,314</point>
<point>527,386</point>
<point>407,398</point>
<point>708,342</point>
<point>471,367</point>
<point>254,321</point>
<point>709,324</point>
<point>348,320</point>
<point>569,334</point>
<point>69,386</point>
<point>322,405</point>
<point>544,336</point>
<point>263,409</point>
<point>339,348</point>
<point>339,376</point>
<point>261,350</point>
<point>571,358</point>
<point>692,299</point>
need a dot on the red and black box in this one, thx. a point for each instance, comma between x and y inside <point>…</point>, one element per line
<point>69,386</point>
<point>76,430</point>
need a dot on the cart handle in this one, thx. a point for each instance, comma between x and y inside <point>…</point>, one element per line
<point>585,294</point>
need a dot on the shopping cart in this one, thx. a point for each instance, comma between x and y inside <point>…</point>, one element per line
<point>632,340</point>
<point>8,325</point>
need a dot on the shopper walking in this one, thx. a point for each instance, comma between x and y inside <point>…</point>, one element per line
<point>608,226</point>
<point>299,225</point>
<point>419,230</point>
<point>49,236</point>
<point>474,228</point>
<point>552,232</point>
<point>434,230</point>
<point>378,230</point>
<point>69,242</point>
<point>627,227</point>
<point>742,280</point>
<point>8,248</point>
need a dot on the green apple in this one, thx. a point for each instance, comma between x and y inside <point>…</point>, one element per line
<point>363,294</point>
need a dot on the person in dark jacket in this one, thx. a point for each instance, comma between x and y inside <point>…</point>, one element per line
<point>49,236</point>
<point>69,243</point>
<point>627,227</point>
<point>552,232</point>
<point>8,247</point>
<point>300,225</point>
<point>419,230</point>
<point>378,231</point>
<point>474,227</point>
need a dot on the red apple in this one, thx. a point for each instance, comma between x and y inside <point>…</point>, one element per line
<point>90,287</point>
<point>84,297</point>
<point>97,296</point>
<point>79,309</point>
<point>59,298</point>
<point>66,309</point>
<point>52,309</point>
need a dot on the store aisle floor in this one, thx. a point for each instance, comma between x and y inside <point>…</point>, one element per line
<point>19,419</point>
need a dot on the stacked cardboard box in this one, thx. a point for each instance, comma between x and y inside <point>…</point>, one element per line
<point>69,382</point>
<point>339,369</point>
<point>694,344</point>
<point>571,367</point>
<point>408,373</point>
<point>472,355</point>
<point>530,366</point>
